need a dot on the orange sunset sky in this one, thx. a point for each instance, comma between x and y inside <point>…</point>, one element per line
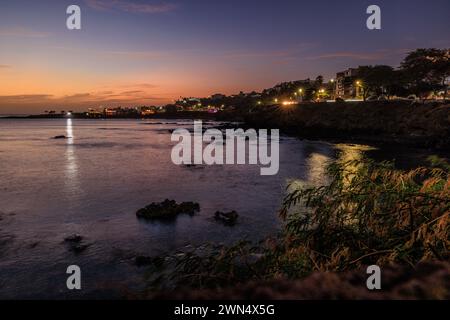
<point>144,52</point>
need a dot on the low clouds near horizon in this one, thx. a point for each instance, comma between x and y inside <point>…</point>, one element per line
<point>130,6</point>
<point>38,103</point>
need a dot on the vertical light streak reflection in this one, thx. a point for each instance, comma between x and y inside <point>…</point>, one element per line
<point>72,181</point>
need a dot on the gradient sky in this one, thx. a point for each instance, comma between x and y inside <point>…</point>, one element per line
<point>132,52</point>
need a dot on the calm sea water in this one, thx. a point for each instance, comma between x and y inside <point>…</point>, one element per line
<point>93,183</point>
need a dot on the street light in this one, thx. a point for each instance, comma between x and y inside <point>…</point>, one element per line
<point>358,88</point>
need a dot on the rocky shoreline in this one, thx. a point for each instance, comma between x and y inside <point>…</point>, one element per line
<point>416,125</point>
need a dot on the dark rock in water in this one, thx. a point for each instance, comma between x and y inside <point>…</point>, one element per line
<point>5,240</point>
<point>78,248</point>
<point>75,238</point>
<point>141,261</point>
<point>60,137</point>
<point>193,166</point>
<point>75,243</point>
<point>227,218</point>
<point>34,245</point>
<point>168,209</point>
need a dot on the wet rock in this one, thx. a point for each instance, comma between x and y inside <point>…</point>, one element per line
<point>74,238</point>
<point>75,243</point>
<point>227,218</point>
<point>193,166</point>
<point>79,247</point>
<point>168,209</point>
<point>5,240</point>
<point>34,244</point>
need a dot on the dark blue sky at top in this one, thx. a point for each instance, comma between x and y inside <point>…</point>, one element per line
<point>250,23</point>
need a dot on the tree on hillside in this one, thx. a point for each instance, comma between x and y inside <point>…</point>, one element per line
<point>376,80</point>
<point>171,108</point>
<point>319,81</point>
<point>427,70</point>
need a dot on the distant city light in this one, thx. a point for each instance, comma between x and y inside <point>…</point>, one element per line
<point>286,103</point>
<point>300,90</point>
<point>276,100</point>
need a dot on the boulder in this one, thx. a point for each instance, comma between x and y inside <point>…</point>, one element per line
<point>74,238</point>
<point>168,209</point>
<point>75,243</point>
<point>227,218</point>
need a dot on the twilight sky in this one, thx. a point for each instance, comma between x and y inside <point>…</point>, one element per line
<point>134,52</point>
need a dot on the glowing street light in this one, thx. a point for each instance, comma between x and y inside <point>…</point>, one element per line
<point>300,90</point>
<point>276,100</point>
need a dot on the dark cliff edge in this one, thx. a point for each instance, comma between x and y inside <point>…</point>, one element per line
<point>391,122</point>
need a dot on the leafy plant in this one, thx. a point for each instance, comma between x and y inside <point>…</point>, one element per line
<point>368,213</point>
<point>372,214</point>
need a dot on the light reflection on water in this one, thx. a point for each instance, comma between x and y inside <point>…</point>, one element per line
<point>93,182</point>
<point>71,173</point>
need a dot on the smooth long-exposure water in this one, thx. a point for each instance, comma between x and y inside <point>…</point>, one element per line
<point>92,184</point>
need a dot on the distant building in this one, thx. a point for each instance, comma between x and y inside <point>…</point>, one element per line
<point>145,111</point>
<point>110,112</point>
<point>121,112</point>
<point>346,87</point>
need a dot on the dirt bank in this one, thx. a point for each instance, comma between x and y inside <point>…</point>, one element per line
<point>428,280</point>
<point>420,125</point>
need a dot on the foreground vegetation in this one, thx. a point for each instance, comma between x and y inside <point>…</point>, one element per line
<point>369,213</point>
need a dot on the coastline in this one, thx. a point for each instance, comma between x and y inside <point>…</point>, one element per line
<point>424,126</point>
<point>379,123</point>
